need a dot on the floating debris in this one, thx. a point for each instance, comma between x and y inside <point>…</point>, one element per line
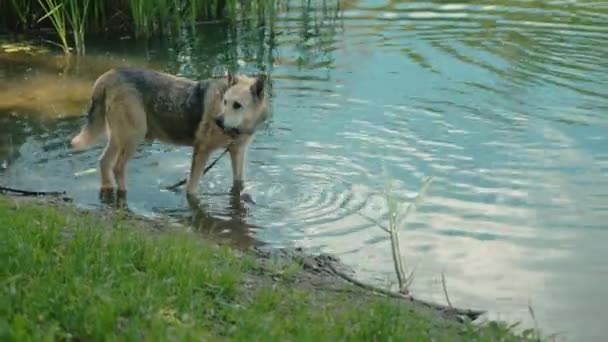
<point>85,172</point>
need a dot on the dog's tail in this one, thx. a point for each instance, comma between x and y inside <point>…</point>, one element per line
<point>96,124</point>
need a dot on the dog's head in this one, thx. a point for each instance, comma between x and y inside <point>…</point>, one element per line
<point>243,106</point>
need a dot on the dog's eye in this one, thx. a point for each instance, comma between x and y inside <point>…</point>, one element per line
<point>225,102</point>
<point>237,106</point>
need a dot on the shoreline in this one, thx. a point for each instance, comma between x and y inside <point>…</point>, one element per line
<point>321,278</point>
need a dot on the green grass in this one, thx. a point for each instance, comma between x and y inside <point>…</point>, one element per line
<point>69,275</point>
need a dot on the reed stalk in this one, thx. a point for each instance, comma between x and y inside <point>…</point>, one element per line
<point>77,17</point>
<point>22,9</point>
<point>54,10</point>
<point>146,18</point>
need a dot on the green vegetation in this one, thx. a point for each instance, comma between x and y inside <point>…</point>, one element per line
<point>55,11</point>
<point>396,222</point>
<point>68,274</point>
<point>128,17</point>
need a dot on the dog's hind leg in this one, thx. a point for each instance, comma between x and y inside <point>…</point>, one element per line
<point>132,133</point>
<point>126,153</point>
<point>106,163</point>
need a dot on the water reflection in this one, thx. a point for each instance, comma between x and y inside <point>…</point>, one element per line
<point>10,143</point>
<point>234,228</point>
<point>50,86</point>
<point>231,227</point>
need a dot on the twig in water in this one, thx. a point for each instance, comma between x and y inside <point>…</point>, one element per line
<point>13,191</point>
<point>535,331</point>
<point>445,290</point>
<point>183,181</point>
<point>4,189</point>
<point>396,219</point>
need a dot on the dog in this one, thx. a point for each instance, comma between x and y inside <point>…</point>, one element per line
<point>132,105</point>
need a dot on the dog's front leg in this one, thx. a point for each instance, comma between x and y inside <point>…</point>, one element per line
<point>237,158</point>
<point>200,155</point>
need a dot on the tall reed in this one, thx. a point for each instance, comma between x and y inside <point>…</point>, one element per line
<point>146,18</point>
<point>22,10</point>
<point>77,17</point>
<point>140,14</point>
<point>55,12</point>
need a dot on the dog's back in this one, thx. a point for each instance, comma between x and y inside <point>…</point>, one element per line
<point>173,106</point>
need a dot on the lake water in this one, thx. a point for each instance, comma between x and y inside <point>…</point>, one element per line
<point>504,103</point>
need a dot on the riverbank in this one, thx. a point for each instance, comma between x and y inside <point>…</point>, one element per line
<point>93,275</point>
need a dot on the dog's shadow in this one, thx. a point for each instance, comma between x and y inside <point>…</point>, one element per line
<point>235,230</point>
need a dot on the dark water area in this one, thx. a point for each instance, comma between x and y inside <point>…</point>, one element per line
<point>504,103</point>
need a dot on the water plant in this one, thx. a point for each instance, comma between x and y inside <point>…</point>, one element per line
<point>76,11</point>
<point>127,17</point>
<point>396,220</point>
<point>54,11</point>
<point>22,10</point>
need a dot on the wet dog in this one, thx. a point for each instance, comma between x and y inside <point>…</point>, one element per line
<point>133,105</point>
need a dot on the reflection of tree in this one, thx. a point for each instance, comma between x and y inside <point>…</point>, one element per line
<point>316,30</point>
<point>254,40</point>
<point>210,49</point>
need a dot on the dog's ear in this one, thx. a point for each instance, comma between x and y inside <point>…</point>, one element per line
<point>231,78</point>
<point>257,89</point>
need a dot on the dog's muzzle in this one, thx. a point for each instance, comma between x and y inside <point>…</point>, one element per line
<point>232,132</point>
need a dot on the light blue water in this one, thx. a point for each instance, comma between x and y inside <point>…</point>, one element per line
<point>504,103</point>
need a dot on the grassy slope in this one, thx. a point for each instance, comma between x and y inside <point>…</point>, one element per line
<point>65,273</point>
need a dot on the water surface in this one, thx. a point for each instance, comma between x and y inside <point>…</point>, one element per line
<point>503,103</point>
